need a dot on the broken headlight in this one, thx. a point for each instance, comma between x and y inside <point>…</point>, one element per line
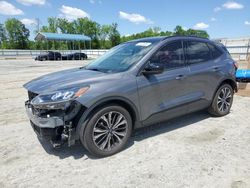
<point>58,99</point>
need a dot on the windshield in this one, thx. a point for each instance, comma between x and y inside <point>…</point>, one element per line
<point>121,57</point>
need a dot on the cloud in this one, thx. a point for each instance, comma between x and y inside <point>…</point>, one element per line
<point>72,13</point>
<point>201,25</point>
<point>95,1</point>
<point>213,19</point>
<point>247,23</point>
<point>32,2</point>
<point>217,9</point>
<point>9,9</point>
<point>134,18</point>
<point>232,5</point>
<point>28,22</point>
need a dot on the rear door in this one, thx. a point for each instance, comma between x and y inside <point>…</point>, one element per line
<point>204,73</point>
<point>163,96</point>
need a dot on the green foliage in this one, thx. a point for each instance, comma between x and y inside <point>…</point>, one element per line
<point>65,26</point>
<point>179,31</point>
<point>17,34</point>
<point>105,30</point>
<point>190,32</point>
<point>114,35</point>
<point>14,35</point>
<point>156,31</point>
<point>151,32</point>
<point>3,37</point>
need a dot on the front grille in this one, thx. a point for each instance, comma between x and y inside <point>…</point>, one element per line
<point>31,95</point>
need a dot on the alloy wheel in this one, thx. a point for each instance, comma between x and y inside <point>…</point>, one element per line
<point>224,99</point>
<point>110,130</point>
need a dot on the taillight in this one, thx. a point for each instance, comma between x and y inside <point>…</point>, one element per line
<point>236,65</point>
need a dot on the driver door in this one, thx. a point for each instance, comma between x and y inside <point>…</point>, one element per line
<point>163,96</point>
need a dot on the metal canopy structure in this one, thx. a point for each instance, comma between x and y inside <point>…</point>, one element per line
<point>70,39</point>
<point>61,37</point>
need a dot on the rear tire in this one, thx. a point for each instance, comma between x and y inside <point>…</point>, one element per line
<point>107,131</point>
<point>222,101</point>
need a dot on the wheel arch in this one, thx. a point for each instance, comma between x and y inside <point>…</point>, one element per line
<point>231,82</point>
<point>123,102</point>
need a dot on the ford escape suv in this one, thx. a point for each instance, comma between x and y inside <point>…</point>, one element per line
<point>135,84</point>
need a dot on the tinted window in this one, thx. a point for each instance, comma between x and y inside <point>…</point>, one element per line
<point>214,51</point>
<point>197,52</point>
<point>171,55</point>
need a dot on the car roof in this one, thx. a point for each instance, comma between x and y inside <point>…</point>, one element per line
<point>149,39</point>
<point>161,38</point>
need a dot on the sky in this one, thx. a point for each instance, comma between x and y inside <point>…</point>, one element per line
<point>220,18</point>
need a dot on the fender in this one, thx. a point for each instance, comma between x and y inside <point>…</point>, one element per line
<point>228,79</point>
<point>84,119</point>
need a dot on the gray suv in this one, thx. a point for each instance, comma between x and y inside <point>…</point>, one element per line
<point>135,84</point>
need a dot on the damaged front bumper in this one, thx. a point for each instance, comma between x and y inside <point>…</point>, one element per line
<point>56,126</point>
<point>47,122</point>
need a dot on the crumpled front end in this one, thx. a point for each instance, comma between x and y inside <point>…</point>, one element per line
<point>56,125</point>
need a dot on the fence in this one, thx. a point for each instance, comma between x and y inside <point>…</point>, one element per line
<point>32,53</point>
<point>239,48</point>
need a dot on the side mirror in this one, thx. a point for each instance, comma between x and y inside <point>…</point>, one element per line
<point>153,68</point>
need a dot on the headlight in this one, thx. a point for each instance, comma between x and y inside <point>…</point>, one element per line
<point>58,99</point>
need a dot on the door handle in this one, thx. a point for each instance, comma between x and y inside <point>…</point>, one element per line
<point>179,77</point>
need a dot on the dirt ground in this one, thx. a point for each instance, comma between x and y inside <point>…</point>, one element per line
<point>193,151</point>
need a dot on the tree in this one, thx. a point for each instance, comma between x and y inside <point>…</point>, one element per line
<point>14,34</point>
<point>89,28</point>
<point>198,33</point>
<point>190,32</point>
<point>52,24</point>
<point>3,36</point>
<point>65,26</point>
<point>151,32</point>
<point>104,34</point>
<point>179,31</point>
<point>114,36</point>
<point>17,33</point>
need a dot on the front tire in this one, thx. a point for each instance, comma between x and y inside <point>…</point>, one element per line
<point>222,101</point>
<point>107,131</point>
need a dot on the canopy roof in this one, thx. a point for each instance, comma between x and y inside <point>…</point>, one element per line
<point>63,37</point>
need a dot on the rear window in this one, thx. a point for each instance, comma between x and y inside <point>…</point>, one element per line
<point>215,52</point>
<point>197,52</point>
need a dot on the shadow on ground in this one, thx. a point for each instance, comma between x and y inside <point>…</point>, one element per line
<point>77,151</point>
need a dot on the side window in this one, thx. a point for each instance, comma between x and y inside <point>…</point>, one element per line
<point>197,52</point>
<point>214,51</point>
<point>171,56</point>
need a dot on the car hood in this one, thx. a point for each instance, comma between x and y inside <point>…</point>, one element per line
<point>66,79</point>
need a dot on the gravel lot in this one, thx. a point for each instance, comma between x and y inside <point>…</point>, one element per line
<point>193,151</point>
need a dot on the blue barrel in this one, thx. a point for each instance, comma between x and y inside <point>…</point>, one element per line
<point>243,76</point>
